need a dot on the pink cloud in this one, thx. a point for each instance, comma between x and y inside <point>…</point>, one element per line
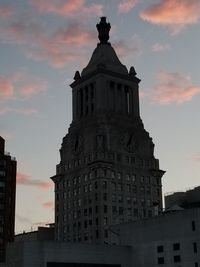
<point>57,48</point>
<point>126,5</point>
<point>6,11</point>
<point>23,179</point>
<point>6,88</point>
<point>68,8</point>
<point>21,84</point>
<point>157,47</point>
<point>174,88</point>
<point>175,14</point>
<point>48,205</point>
<point>31,88</point>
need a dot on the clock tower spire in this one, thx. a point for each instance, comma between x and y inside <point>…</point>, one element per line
<point>107,172</point>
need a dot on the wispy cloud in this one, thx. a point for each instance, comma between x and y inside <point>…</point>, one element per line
<point>23,179</point>
<point>58,47</point>
<point>23,111</point>
<point>48,205</point>
<point>174,14</point>
<point>158,47</point>
<point>67,8</point>
<point>173,88</point>
<point>20,84</point>
<point>127,5</point>
<point>125,49</point>
<point>6,10</point>
<point>6,88</point>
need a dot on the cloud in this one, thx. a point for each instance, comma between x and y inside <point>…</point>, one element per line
<point>48,205</point>
<point>57,47</point>
<point>23,179</point>
<point>126,5</point>
<point>64,46</point>
<point>67,8</point>
<point>124,49</point>
<point>6,88</point>
<point>21,84</point>
<point>157,47</point>
<point>174,88</point>
<point>174,14</point>
<point>23,111</point>
<point>6,11</point>
<point>28,89</point>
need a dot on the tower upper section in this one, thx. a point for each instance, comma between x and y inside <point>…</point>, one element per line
<point>105,86</point>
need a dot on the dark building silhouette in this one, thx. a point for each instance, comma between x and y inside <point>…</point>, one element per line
<point>7,198</point>
<point>107,173</point>
<point>183,200</point>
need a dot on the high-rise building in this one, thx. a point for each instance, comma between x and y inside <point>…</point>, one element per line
<point>107,173</point>
<point>7,198</point>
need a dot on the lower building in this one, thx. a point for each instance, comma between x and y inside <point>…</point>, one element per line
<point>7,198</point>
<point>63,254</point>
<point>169,240</point>
<point>185,200</point>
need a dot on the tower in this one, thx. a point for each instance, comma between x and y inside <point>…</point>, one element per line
<point>107,173</point>
<point>7,198</point>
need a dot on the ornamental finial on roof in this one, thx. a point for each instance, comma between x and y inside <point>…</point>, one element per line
<point>103,29</point>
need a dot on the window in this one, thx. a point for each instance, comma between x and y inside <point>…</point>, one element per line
<point>142,179</point>
<point>177,258</point>
<point>121,210</point>
<point>106,233</point>
<point>112,174</point>
<point>105,208</point>
<point>128,188</point>
<point>114,186</point>
<point>119,187</point>
<point>128,200</point>
<point>2,184</point>
<point>195,247</point>
<point>193,226</point>
<point>119,176</point>
<point>113,198</point>
<point>160,249</point>
<point>161,260</point>
<point>134,200</point>
<point>196,264</point>
<point>120,199</point>
<point>2,173</point>
<point>176,246</point>
<point>96,185</point>
<point>105,184</point>
<point>127,177</point>
<point>114,209</point>
<point>97,234</point>
<point>105,221</point>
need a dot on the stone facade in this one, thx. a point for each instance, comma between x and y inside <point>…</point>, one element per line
<point>107,173</point>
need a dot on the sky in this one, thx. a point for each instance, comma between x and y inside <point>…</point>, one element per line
<point>43,43</point>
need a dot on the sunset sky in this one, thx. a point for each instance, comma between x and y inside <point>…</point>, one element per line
<point>43,43</point>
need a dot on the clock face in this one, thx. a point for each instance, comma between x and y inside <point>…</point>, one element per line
<point>129,142</point>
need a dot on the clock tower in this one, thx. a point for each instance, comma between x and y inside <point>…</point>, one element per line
<point>107,172</point>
